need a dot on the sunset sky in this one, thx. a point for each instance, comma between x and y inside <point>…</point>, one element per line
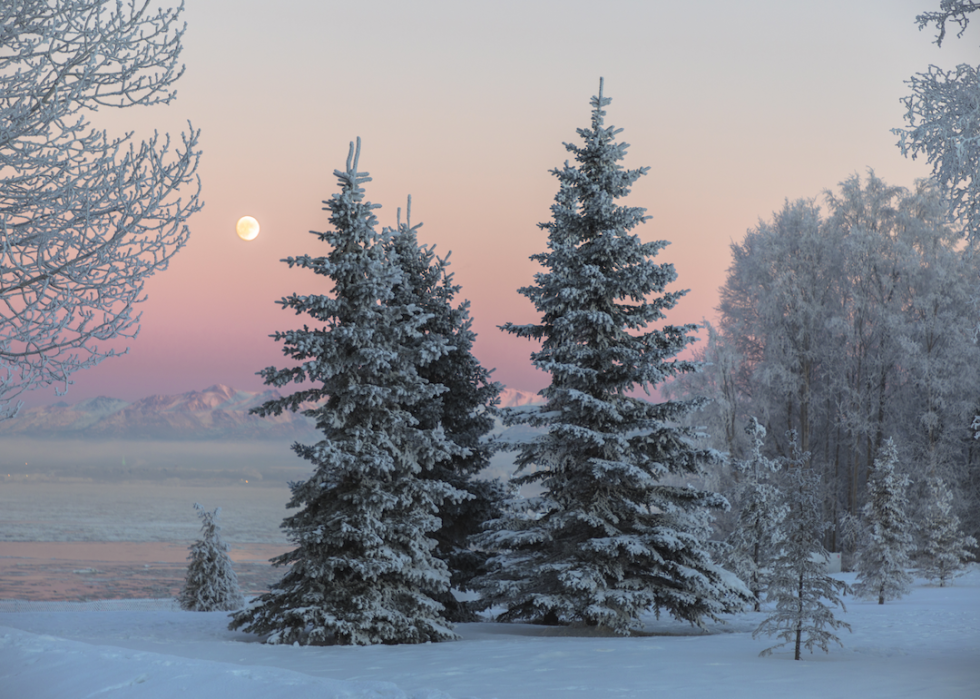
<point>735,106</point>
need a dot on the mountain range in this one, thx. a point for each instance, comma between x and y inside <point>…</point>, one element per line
<point>217,412</point>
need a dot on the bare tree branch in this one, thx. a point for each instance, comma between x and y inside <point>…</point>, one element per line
<point>955,11</point>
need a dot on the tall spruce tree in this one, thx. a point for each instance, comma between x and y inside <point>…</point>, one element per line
<point>612,535</point>
<point>885,556</point>
<point>363,570</point>
<point>465,409</point>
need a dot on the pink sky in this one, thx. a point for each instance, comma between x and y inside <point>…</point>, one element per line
<point>735,106</point>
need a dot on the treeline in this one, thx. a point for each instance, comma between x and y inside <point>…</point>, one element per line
<point>850,325</point>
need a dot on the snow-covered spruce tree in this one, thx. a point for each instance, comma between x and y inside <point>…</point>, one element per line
<point>887,546</point>
<point>211,584</point>
<point>465,409</point>
<point>760,514</point>
<point>611,536</point>
<point>363,567</point>
<point>945,547</point>
<point>799,583</point>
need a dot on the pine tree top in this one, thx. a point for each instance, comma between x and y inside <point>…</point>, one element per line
<point>601,288</point>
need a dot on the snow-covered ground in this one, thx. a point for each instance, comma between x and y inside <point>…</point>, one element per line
<point>925,645</point>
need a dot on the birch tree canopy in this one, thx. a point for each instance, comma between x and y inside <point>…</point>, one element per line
<point>85,217</point>
<point>943,117</point>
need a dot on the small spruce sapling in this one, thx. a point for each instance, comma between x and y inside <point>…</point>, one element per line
<point>211,584</point>
<point>760,514</point>
<point>885,556</point>
<point>800,585</point>
<point>946,546</point>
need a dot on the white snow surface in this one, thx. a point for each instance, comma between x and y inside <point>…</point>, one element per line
<point>926,644</point>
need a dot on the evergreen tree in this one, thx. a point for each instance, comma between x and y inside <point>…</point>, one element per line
<point>465,409</point>
<point>760,515</point>
<point>211,584</point>
<point>799,584</point>
<point>611,536</point>
<point>883,559</point>
<point>946,547</point>
<point>363,569</point>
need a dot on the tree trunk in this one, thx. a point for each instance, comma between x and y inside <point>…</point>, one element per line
<point>799,617</point>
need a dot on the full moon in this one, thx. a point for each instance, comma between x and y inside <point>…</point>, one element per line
<point>247,228</point>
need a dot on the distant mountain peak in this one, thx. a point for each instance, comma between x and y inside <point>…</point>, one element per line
<point>99,404</point>
<point>217,412</point>
<point>514,398</point>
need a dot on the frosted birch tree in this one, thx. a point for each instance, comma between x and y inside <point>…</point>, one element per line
<point>211,584</point>
<point>777,308</point>
<point>886,551</point>
<point>850,327</point>
<point>615,532</point>
<point>943,117</point>
<point>363,570</point>
<point>85,217</point>
<point>722,377</point>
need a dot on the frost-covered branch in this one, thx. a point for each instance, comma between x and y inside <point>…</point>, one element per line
<point>85,218</point>
<point>943,117</point>
<point>943,114</point>
<point>955,11</point>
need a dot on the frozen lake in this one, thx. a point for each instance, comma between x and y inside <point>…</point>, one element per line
<point>83,541</point>
<point>113,520</point>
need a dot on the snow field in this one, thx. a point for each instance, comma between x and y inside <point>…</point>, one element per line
<point>926,645</point>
